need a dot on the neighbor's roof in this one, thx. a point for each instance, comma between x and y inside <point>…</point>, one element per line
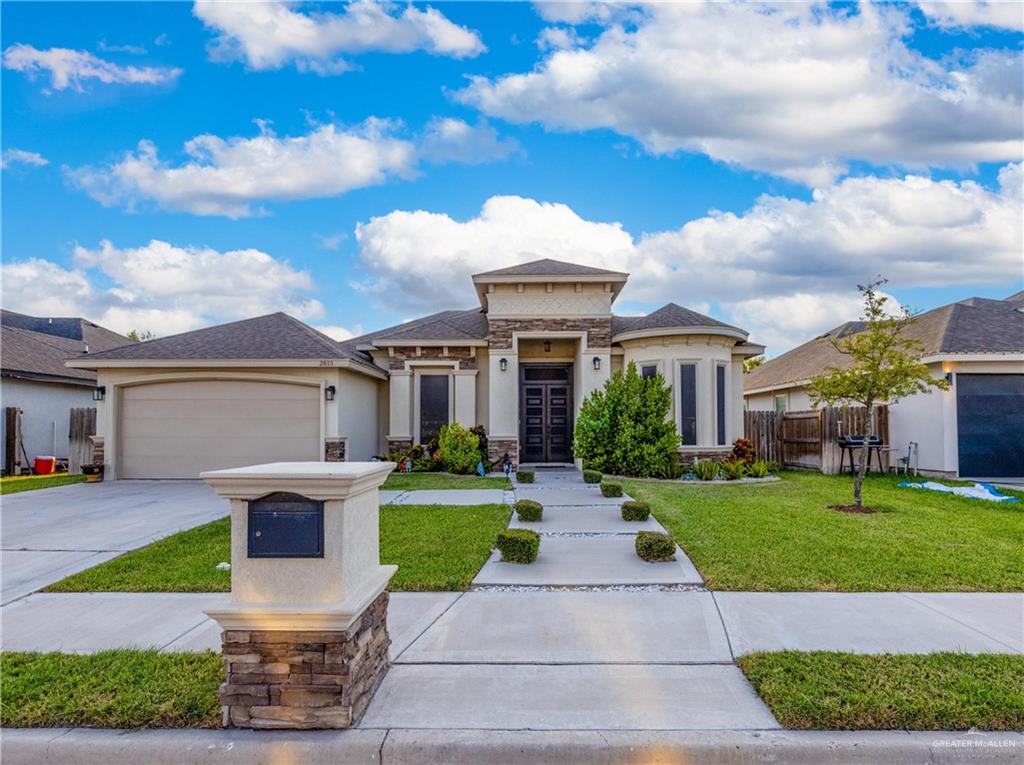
<point>549,267</point>
<point>70,328</point>
<point>669,316</point>
<point>39,356</point>
<point>974,325</point>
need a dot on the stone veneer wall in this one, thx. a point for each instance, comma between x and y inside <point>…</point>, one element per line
<point>304,679</point>
<point>599,331</point>
<point>399,444</point>
<point>334,449</point>
<point>465,356</point>
<point>98,452</point>
<point>719,454</point>
<point>496,448</point>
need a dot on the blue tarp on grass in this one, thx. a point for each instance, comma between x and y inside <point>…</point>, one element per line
<point>984,491</point>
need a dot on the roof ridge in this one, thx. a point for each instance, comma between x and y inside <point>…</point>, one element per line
<point>332,344</point>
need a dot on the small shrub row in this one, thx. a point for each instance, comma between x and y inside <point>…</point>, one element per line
<point>529,511</point>
<point>634,510</point>
<point>524,476</point>
<point>592,476</point>
<point>518,545</point>
<point>705,470</point>
<point>654,547</point>
<point>611,489</point>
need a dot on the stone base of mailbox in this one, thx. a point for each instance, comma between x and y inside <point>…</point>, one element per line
<point>305,679</point>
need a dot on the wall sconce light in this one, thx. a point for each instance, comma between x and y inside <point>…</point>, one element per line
<point>329,392</point>
<point>503,363</point>
<point>949,377</point>
<point>597,363</point>
<point>99,392</point>
<point>547,346</point>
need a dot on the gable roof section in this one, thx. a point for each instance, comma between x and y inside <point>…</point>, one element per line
<point>975,325</point>
<point>549,267</point>
<point>669,316</point>
<point>457,326</point>
<point>69,328</point>
<point>39,356</point>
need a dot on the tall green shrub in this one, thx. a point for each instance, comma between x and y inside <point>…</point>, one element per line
<point>459,449</point>
<point>624,429</point>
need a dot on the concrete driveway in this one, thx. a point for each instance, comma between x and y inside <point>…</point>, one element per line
<point>48,534</point>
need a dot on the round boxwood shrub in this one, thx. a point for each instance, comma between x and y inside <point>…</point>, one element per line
<point>611,489</point>
<point>518,545</point>
<point>592,476</point>
<point>653,546</point>
<point>633,510</point>
<point>529,511</point>
<point>524,476</point>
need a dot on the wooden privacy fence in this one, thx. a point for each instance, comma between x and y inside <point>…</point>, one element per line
<point>808,439</point>
<point>83,425</point>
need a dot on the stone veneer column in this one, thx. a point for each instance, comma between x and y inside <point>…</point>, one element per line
<point>334,449</point>
<point>305,639</point>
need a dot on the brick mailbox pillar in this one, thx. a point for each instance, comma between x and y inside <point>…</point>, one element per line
<point>305,635</point>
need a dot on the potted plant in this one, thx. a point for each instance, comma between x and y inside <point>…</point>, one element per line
<point>93,473</point>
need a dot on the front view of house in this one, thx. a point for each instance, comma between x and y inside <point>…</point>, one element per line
<point>272,388</point>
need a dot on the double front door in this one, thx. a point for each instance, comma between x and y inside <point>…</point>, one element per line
<point>545,413</point>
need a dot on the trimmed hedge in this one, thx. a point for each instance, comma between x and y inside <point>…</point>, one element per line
<point>633,510</point>
<point>592,476</point>
<point>518,545</point>
<point>524,476</point>
<point>611,489</point>
<point>529,511</point>
<point>653,546</point>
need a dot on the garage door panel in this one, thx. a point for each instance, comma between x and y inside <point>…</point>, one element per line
<point>178,430</point>
<point>990,421</point>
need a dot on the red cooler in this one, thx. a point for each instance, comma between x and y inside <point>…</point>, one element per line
<point>45,465</point>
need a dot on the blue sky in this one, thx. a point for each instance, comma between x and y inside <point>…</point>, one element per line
<point>729,167</point>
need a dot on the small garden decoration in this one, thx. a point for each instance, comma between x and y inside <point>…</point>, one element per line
<point>633,510</point>
<point>529,511</point>
<point>518,545</point>
<point>655,547</point>
<point>611,489</point>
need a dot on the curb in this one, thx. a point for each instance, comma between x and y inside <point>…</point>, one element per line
<point>84,746</point>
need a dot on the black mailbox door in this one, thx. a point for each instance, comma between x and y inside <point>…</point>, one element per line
<point>283,525</point>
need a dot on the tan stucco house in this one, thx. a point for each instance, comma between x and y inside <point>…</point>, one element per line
<point>974,429</point>
<point>543,337</point>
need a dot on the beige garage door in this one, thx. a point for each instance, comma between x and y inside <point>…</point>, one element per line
<point>179,429</point>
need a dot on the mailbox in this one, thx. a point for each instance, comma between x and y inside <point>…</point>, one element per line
<point>285,525</point>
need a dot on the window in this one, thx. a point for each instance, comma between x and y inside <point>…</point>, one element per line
<point>649,371</point>
<point>780,404</point>
<point>688,404</point>
<point>433,405</point>
<point>720,400</point>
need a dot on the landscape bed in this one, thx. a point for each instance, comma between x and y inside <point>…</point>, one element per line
<point>436,548</point>
<point>783,537</point>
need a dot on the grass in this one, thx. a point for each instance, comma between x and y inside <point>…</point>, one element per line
<point>436,547</point>
<point>112,689</point>
<point>839,691</point>
<point>18,483</point>
<point>781,536</point>
<point>412,481</point>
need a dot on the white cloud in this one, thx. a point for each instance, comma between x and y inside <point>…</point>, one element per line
<point>73,68</point>
<point>331,241</point>
<point>225,176</point>
<point>134,50</point>
<point>13,157</point>
<point>271,34</point>
<point>797,89</point>
<point>558,38</point>
<point>159,287</point>
<point>810,256</point>
<point>1007,14</point>
<point>340,333</point>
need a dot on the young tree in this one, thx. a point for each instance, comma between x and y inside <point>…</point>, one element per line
<point>139,335</point>
<point>749,365</point>
<point>885,367</point>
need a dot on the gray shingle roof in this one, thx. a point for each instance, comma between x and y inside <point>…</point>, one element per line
<point>669,316</point>
<point>70,328</point>
<point>40,356</point>
<point>447,325</point>
<point>274,336</point>
<point>549,267</point>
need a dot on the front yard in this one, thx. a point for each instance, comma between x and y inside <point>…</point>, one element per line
<point>413,481</point>
<point>436,547</point>
<point>13,484</point>
<point>783,537</point>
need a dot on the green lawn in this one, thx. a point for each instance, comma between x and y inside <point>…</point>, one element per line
<point>782,536</point>
<point>436,547</point>
<point>16,483</point>
<point>840,691</point>
<point>412,481</point>
<point>112,689</point>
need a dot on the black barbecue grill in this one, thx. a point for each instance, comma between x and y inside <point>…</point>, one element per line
<point>848,444</point>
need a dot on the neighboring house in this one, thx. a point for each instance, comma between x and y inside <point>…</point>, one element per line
<point>272,388</point>
<point>36,380</point>
<point>972,430</point>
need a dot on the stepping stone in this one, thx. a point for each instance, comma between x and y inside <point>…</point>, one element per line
<point>452,497</point>
<point>568,561</point>
<point>583,496</point>
<point>573,697</point>
<point>600,519</point>
<point>569,627</point>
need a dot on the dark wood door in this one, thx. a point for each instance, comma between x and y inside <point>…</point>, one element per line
<point>545,413</point>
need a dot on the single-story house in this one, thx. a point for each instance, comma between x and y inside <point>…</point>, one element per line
<point>543,337</point>
<point>973,430</point>
<point>36,380</point>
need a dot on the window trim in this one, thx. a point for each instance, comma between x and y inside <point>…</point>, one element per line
<point>656,363</point>
<point>721,403</point>
<point>775,402</point>
<point>417,413</point>
<point>677,395</point>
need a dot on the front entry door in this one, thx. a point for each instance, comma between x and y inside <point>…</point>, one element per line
<point>545,413</point>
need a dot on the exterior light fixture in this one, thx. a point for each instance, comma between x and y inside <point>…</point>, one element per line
<point>99,392</point>
<point>329,392</point>
<point>547,346</point>
<point>597,363</point>
<point>503,363</point>
<point>949,377</point>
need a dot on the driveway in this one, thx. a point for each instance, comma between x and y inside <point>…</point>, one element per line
<point>48,534</point>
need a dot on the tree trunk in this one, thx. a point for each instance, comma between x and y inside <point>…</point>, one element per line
<point>865,455</point>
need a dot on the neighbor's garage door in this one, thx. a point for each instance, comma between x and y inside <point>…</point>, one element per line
<point>990,425</point>
<point>179,429</point>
